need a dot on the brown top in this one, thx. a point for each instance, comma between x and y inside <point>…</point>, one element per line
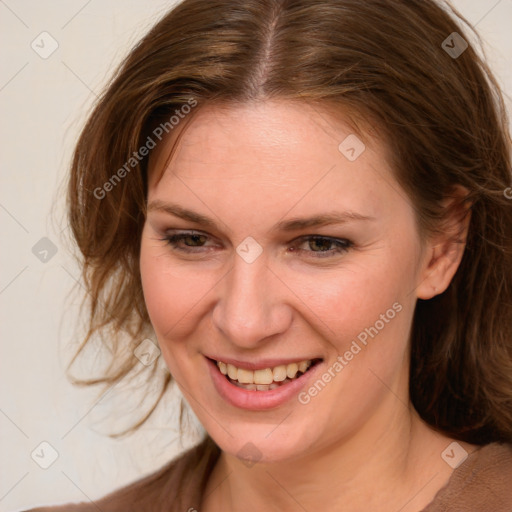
<point>483,483</point>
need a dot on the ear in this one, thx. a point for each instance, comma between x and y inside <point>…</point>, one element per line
<point>444,250</point>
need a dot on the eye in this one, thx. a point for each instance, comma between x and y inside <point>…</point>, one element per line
<point>193,242</point>
<point>186,241</point>
<point>322,246</point>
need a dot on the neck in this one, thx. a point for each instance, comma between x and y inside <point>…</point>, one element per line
<point>397,466</point>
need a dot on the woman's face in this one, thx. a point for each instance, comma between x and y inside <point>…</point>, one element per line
<point>270,247</point>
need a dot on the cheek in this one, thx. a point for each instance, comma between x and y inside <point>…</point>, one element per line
<point>365,318</point>
<point>170,291</point>
<point>348,301</point>
<point>366,312</point>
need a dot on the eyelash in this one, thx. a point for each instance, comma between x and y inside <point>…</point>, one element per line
<point>343,245</point>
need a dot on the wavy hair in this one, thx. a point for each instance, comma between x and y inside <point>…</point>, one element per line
<point>441,115</point>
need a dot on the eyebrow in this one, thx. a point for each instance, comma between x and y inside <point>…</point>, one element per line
<point>294,224</point>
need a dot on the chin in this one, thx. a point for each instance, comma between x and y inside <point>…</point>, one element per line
<point>263,442</point>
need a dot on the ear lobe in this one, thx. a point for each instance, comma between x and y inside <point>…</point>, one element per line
<point>444,250</point>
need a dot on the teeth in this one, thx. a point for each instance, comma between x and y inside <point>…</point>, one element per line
<point>263,376</point>
<point>232,371</point>
<point>291,370</point>
<point>279,373</point>
<point>259,387</point>
<point>246,376</point>
<point>265,379</point>
<point>303,366</point>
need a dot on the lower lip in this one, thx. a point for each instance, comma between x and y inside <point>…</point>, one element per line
<point>257,400</point>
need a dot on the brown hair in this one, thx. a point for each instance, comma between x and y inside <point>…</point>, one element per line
<point>441,115</point>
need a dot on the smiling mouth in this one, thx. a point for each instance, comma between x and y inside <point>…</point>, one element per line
<point>265,379</point>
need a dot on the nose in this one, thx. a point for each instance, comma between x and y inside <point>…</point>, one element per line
<point>251,307</point>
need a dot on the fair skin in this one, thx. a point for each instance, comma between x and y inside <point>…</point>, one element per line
<point>358,444</point>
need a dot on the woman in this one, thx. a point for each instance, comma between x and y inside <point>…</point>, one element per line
<point>306,204</point>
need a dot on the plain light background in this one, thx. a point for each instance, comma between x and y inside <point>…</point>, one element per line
<point>44,102</point>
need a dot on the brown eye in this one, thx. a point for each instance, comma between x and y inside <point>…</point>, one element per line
<point>186,242</point>
<point>323,246</point>
<point>192,240</point>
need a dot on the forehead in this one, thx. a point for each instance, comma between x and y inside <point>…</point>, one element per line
<point>272,150</point>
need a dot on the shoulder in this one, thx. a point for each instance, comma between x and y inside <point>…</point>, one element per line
<point>481,483</point>
<point>177,486</point>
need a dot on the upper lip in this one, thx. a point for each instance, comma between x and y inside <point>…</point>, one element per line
<point>260,364</point>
